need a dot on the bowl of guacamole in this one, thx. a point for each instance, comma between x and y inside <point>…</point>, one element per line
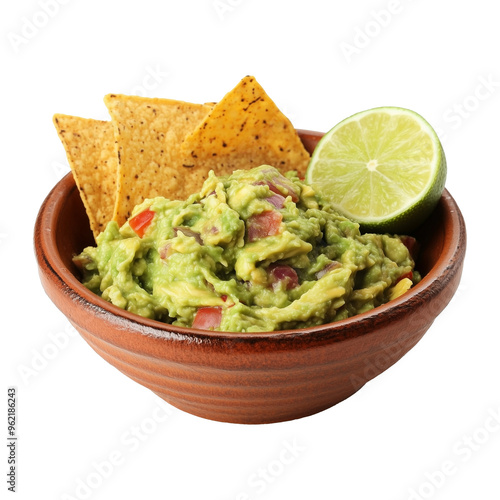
<point>254,251</point>
<point>249,301</point>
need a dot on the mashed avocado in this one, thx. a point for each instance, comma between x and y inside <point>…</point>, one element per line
<point>255,251</point>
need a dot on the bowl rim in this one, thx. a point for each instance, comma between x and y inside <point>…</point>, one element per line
<point>430,285</point>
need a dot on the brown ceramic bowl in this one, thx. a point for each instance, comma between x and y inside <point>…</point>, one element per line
<point>251,377</point>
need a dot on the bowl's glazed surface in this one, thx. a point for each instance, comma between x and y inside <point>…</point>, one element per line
<point>248,377</point>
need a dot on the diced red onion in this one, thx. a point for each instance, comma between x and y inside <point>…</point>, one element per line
<point>276,200</point>
<point>328,268</point>
<point>186,231</point>
<point>284,182</point>
<point>166,251</point>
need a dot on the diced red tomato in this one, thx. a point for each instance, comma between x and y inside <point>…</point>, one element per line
<point>140,222</point>
<point>408,275</point>
<point>208,318</point>
<point>264,224</point>
<point>285,274</point>
<point>411,244</point>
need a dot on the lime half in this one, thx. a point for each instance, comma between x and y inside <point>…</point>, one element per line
<point>383,168</point>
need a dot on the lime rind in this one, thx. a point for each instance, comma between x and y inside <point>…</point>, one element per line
<point>384,168</point>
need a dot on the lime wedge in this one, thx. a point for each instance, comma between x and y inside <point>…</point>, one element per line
<point>383,168</point>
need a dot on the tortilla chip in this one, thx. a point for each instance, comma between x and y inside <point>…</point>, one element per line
<point>90,149</point>
<point>149,133</point>
<point>244,130</point>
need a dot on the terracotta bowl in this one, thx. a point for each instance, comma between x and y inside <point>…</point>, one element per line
<point>253,377</point>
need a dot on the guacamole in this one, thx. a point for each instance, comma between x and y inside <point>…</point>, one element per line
<point>254,251</point>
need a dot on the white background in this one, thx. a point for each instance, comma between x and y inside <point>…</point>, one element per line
<point>423,429</point>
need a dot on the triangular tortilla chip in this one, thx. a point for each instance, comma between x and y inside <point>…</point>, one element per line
<point>244,130</point>
<point>90,149</point>
<point>149,133</point>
